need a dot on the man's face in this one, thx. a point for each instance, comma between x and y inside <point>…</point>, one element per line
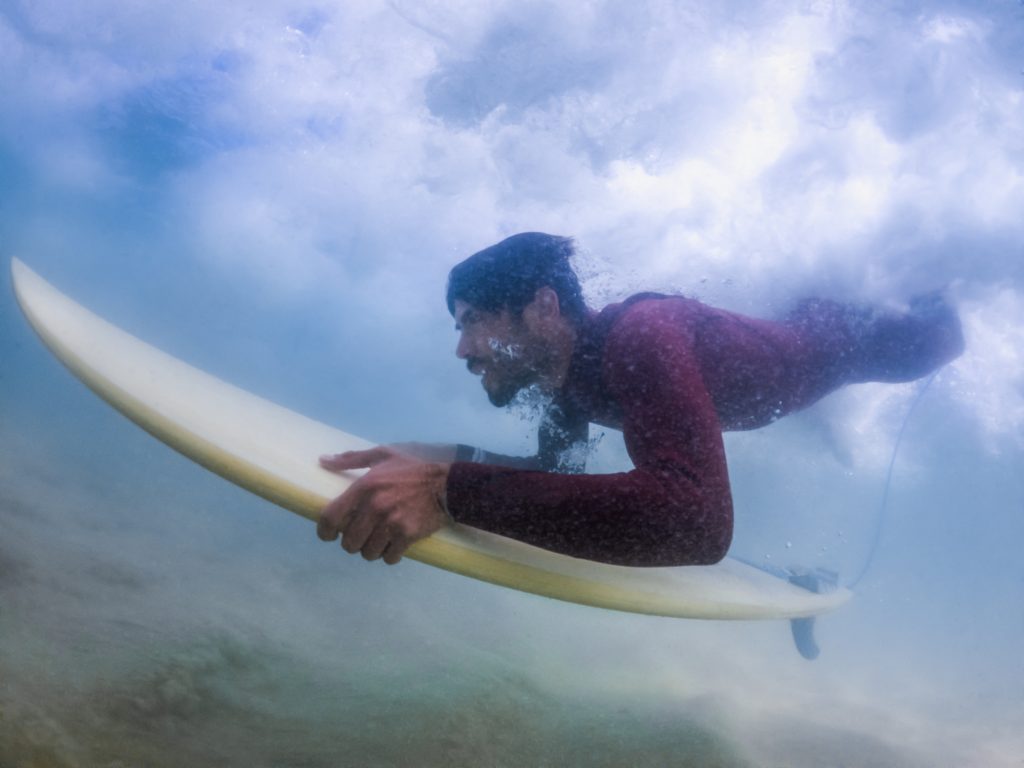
<point>499,347</point>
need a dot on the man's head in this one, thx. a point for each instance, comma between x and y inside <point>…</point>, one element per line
<point>508,274</point>
<point>517,305</point>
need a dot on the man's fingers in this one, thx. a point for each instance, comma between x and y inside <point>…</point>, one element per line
<point>356,532</point>
<point>335,515</point>
<point>394,551</point>
<point>339,462</point>
<point>373,537</point>
<point>377,543</point>
<point>326,528</point>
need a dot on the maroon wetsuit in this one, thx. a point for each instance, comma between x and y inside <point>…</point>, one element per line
<point>672,374</point>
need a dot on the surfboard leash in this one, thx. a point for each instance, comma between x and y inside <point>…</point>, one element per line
<point>883,509</point>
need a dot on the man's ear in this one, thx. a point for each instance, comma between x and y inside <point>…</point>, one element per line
<point>545,303</point>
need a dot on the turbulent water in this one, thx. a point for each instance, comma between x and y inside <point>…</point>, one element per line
<point>275,192</point>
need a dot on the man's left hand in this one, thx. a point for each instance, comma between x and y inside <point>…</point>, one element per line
<point>398,502</point>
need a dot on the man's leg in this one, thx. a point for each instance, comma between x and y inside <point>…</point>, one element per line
<point>871,344</point>
<point>760,370</point>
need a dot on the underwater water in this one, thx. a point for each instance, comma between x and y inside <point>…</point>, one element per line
<point>275,192</point>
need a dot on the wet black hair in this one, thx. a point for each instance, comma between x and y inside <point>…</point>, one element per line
<point>507,275</point>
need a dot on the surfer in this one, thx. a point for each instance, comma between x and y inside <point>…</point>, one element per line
<point>670,372</point>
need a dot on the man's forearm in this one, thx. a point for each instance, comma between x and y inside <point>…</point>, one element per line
<point>645,518</point>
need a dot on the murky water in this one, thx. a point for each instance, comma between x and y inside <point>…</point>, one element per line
<point>276,192</point>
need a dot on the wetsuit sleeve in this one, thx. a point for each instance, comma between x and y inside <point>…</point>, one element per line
<point>561,447</point>
<point>674,508</point>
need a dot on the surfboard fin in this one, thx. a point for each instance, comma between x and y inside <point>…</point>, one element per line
<point>818,580</point>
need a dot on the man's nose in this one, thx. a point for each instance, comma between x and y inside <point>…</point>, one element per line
<point>462,348</point>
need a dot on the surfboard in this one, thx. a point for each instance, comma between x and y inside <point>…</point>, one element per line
<point>273,452</point>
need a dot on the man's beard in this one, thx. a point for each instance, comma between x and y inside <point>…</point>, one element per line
<point>512,370</point>
<point>502,398</point>
<point>508,389</point>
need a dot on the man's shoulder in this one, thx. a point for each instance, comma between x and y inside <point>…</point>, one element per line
<point>645,313</point>
<point>643,326</point>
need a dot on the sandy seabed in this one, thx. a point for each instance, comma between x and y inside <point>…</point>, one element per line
<point>152,641</point>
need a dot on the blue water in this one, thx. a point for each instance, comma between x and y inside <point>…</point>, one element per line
<point>275,192</point>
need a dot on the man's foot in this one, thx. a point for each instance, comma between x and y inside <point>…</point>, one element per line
<point>897,347</point>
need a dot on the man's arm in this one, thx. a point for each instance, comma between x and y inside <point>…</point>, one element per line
<point>561,446</point>
<point>674,508</point>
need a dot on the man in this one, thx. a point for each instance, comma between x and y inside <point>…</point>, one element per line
<point>668,371</point>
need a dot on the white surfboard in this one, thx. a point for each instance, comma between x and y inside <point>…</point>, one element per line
<point>273,452</point>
